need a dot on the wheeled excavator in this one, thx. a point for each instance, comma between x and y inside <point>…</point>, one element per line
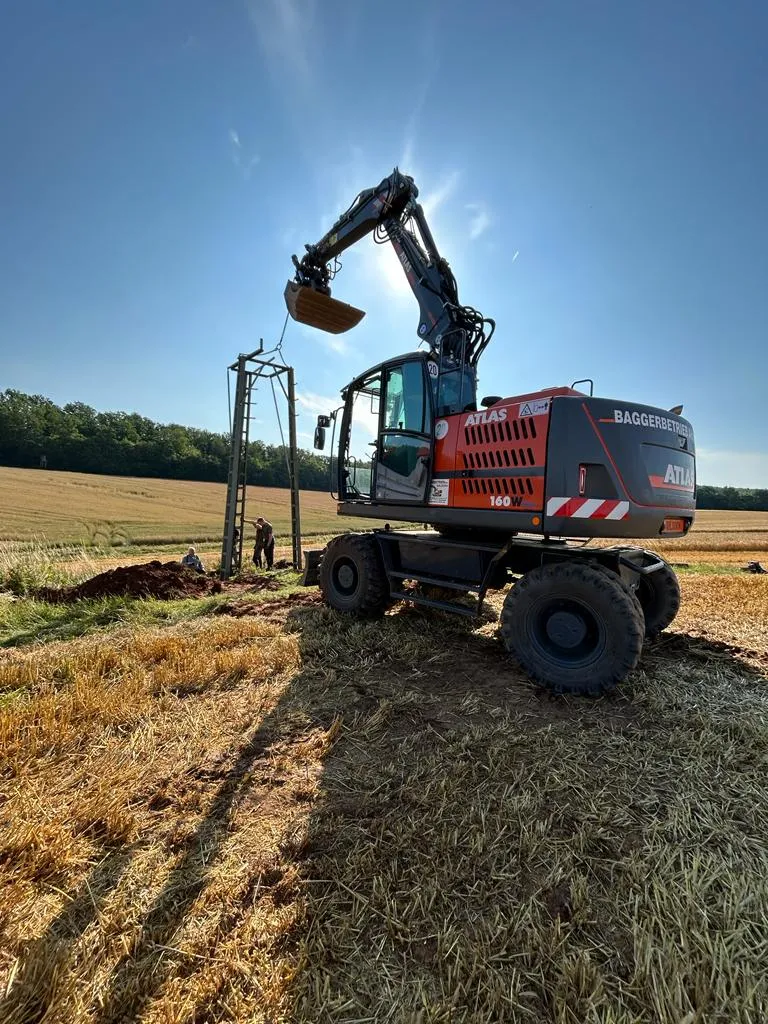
<point>505,489</point>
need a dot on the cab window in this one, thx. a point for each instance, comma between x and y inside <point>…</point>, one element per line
<point>455,391</point>
<point>406,407</point>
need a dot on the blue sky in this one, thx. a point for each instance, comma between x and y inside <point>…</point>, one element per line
<point>595,172</point>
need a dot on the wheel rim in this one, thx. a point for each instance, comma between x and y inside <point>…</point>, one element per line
<point>345,576</point>
<point>569,632</point>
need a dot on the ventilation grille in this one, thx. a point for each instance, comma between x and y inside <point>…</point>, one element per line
<point>505,430</point>
<point>501,458</point>
<point>514,485</point>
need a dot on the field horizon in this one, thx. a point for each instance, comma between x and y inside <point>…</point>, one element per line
<point>56,507</point>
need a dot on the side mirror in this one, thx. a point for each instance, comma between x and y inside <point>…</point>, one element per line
<point>319,437</point>
<point>323,421</point>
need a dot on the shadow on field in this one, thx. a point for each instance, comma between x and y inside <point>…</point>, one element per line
<point>141,972</point>
<point>479,847</point>
<point>124,999</point>
<point>47,958</point>
<point>369,676</point>
<point>670,646</point>
<point>414,867</point>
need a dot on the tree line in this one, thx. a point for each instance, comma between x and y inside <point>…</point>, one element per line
<point>737,499</point>
<point>77,438</point>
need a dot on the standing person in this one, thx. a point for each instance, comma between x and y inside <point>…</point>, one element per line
<point>258,544</point>
<point>268,537</point>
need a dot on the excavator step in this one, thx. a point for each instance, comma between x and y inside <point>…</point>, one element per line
<point>446,606</point>
<point>434,581</point>
<point>314,309</point>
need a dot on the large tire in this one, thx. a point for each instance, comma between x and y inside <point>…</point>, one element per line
<point>615,576</point>
<point>659,595</point>
<point>573,627</point>
<point>352,577</point>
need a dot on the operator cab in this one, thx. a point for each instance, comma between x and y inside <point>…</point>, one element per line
<point>386,436</point>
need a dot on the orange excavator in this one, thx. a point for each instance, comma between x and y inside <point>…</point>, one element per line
<point>507,489</point>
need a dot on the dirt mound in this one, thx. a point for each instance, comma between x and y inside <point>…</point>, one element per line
<point>267,609</point>
<point>263,583</point>
<point>165,580</point>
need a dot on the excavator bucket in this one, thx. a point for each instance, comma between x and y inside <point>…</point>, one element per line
<point>317,310</point>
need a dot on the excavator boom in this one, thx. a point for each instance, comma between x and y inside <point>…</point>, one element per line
<point>390,212</point>
<point>308,297</point>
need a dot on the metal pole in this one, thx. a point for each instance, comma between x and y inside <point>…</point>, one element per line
<point>243,480</point>
<point>294,481</point>
<point>228,546</point>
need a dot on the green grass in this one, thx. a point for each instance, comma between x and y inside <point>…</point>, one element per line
<point>707,569</point>
<point>26,566</point>
<point>26,621</point>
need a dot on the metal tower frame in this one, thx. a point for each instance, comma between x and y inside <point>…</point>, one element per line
<point>250,369</point>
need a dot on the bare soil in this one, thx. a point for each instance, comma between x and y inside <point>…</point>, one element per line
<point>165,580</point>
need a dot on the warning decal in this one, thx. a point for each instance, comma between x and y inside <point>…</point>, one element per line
<point>535,408</point>
<point>438,492</point>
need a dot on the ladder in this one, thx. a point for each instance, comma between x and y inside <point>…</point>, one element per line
<point>234,521</point>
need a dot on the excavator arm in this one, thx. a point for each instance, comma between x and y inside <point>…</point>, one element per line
<point>390,211</point>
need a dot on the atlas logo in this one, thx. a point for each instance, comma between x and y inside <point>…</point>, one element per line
<point>679,476</point>
<point>405,262</point>
<point>494,416</point>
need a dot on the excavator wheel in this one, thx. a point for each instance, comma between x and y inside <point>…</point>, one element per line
<point>614,575</point>
<point>573,627</point>
<point>659,595</point>
<point>352,577</point>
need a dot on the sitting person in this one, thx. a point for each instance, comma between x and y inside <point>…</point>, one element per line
<point>191,561</point>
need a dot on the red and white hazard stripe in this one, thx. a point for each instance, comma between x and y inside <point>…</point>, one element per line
<point>588,508</point>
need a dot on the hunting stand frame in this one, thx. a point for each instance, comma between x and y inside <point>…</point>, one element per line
<point>251,369</point>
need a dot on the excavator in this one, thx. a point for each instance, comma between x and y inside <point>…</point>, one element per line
<point>496,491</point>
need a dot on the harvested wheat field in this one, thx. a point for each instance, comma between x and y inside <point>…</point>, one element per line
<point>721,539</point>
<point>273,814</point>
<point>86,507</point>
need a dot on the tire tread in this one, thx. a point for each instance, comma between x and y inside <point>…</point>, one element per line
<point>665,589</point>
<point>374,596</point>
<point>625,615</point>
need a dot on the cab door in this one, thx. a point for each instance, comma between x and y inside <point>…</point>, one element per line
<point>404,446</point>
<point>359,439</point>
